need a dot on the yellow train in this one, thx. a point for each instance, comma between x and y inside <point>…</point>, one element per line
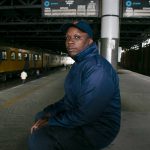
<point>14,60</point>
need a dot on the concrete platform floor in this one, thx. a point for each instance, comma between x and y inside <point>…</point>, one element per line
<point>135,126</point>
<point>19,104</point>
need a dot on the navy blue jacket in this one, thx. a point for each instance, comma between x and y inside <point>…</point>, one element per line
<point>92,98</point>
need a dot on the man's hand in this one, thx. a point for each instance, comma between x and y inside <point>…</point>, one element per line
<point>40,123</point>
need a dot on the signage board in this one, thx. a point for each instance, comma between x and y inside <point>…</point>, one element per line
<point>70,8</point>
<point>136,8</point>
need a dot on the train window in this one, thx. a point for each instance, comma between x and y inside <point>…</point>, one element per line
<point>13,56</point>
<point>25,55</point>
<point>3,55</point>
<point>30,56</point>
<point>40,58</point>
<point>19,56</point>
<point>35,57</point>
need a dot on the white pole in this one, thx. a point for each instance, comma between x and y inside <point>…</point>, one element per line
<point>110,31</point>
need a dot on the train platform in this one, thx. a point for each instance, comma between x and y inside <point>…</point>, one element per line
<point>19,104</point>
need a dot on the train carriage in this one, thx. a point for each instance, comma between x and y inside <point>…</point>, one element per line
<point>11,61</point>
<point>14,60</point>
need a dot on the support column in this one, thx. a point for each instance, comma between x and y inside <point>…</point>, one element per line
<point>110,31</point>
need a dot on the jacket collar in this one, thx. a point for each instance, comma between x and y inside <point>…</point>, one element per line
<point>89,51</point>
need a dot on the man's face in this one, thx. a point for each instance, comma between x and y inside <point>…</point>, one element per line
<point>76,41</point>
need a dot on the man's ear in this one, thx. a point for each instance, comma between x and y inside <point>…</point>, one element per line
<point>90,41</point>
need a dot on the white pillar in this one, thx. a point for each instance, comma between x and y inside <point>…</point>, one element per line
<point>110,30</point>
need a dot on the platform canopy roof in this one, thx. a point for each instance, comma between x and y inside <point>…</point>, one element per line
<point>21,22</point>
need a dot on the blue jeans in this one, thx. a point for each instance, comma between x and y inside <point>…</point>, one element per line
<point>59,138</point>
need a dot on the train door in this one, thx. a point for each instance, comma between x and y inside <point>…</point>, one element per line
<point>26,64</point>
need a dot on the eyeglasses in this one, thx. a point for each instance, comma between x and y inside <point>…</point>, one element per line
<point>75,37</point>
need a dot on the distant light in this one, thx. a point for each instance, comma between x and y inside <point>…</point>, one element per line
<point>145,43</point>
<point>135,47</point>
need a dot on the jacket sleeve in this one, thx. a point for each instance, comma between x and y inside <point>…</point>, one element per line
<point>96,92</point>
<point>56,108</point>
<point>53,109</point>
